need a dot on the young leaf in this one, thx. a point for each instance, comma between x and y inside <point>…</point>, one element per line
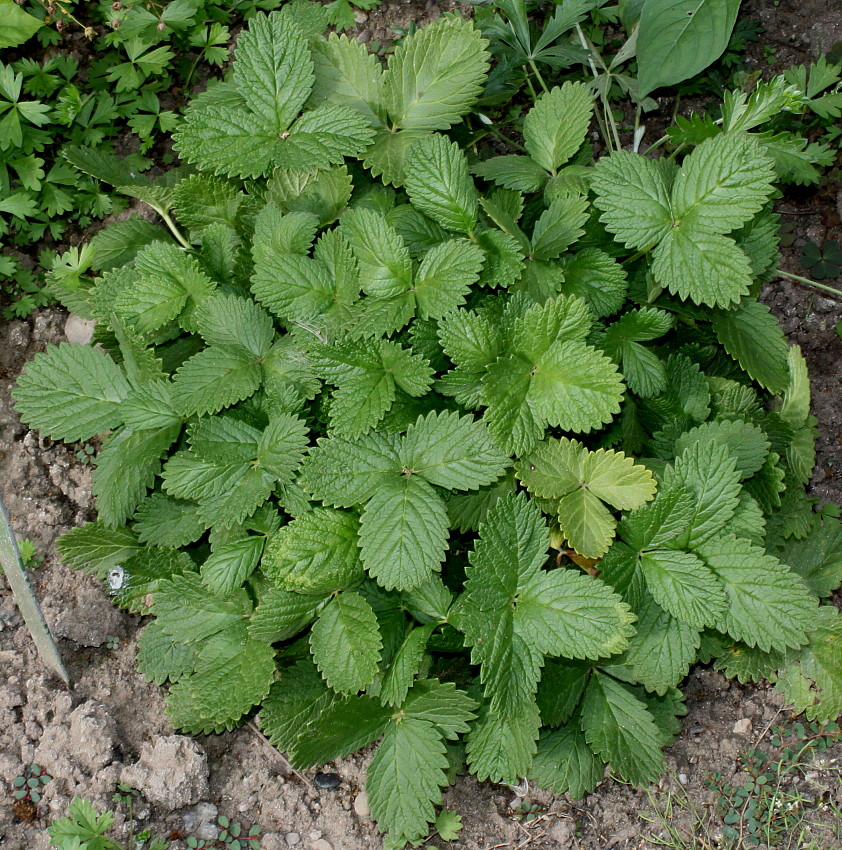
<point>555,127</point>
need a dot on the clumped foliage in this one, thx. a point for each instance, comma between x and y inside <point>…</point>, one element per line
<point>471,459</point>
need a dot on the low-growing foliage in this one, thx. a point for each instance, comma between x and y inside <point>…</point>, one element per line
<point>399,455</point>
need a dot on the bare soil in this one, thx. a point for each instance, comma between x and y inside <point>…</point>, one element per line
<point>112,728</point>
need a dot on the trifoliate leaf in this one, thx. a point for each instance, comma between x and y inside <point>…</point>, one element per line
<point>751,335</point>
<point>620,728</point>
<point>555,127</point>
<point>438,183</point>
<point>71,392</point>
<point>435,75</point>
<point>768,605</point>
<point>631,192</point>
<point>346,643</point>
<point>403,533</point>
<point>452,451</point>
<point>565,763</point>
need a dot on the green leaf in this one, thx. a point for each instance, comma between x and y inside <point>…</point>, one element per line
<point>595,276</point>
<point>500,747</point>
<point>16,26</point>
<point>435,75</point>
<point>560,690</point>
<point>445,276</point>
<point>96,548</point>
<point>438,183</point>
<point>817,558</point>
<point>232,675</point>
<point>236,322</point>
<point>403,533</point>
<point>385,264</point>
<point>812,681</point>
<point>708,472</point>
<point>117,244</point>
<point>71,392</point>
<point>565,763</point>
<point>200,200</point>
<point>661,652</point>
<point>679,38</point>
<point>521,173</point>
<point>684,586</point>
<point>745,442</point>
<point>706,268</point>
<point>315,553</point>
<point>216,377</point>
<point>231,564</point>
<point>126,467</point>
<point>452,451</point>
<point>768,606</point>
<point>344,473</point>
<point>346,643</point>
<point>620,728</point>
<point>405,778</point>
<point>558,227</point>
<point>406,666</point>
<point>554,129</point>
<point>722,184</point>
<point>634,198</point>
<point>752,336</point>
<point>282,614</point>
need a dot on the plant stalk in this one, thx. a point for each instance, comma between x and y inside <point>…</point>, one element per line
<point>805,280</point>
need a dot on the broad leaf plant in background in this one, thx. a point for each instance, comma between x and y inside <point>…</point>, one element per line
<point>468,459</point>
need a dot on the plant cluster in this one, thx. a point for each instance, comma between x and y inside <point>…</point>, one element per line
<point>473,457</point>
<point>83,829</point>
<point>232,836</point>
<point>145,54</point>
<point>30,783</point>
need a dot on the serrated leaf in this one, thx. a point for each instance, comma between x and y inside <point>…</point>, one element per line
<point>445,276</point>
<point>517,172</point>
<point>405,666</point>
<point>500,747</point>
<point>565,763</point>
<point>751,335</point>
<point>403,533</point>
<point>661,652</point>
<point>216,377</point>
<point>817,558</point>
<point>435,75</point>
<point>620,728</point>
<point>555,127</point>
<point>745,442</point>
<point>385,264</point>
<point>634,199</point>
<point>346,643</point>
<point>558,227</point>
<point>96,548</point>
<point>231,564</point>
<point>560,690</point>
<point>236,322</point>
<point>71,392</point>
<point>438,183</point>
<point>452,451</point>
<point>405,778</point>
<point>768,605</point>
<point>282,614</point>
<point>595,276</point>
<point>315,553</point>
<point>684,586</point>
<point>442,704</point>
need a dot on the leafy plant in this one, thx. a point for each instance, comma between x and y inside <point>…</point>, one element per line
<point>83,829</point>
<point>231,836</point>
<point>822,262</point>
<point>476,471</point>
<point>30,783</point>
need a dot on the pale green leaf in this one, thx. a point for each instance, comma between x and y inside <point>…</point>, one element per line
<point>554,129</point>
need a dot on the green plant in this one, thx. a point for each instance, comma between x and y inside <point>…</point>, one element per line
<point>231,836</point>
<point>29,554</point>
<point>767,807</point>
<point>84,829</point>
<point>822,262</point>
<point>30,783</point>
<point>476,471</point>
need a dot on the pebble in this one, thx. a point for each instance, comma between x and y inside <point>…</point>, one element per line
<point>292,838</point>
<point>314,835</point>
<point>682,778</point>
<point>78,330</point>
<point>327,780</point>
<point>361,805</point>
<point>321,844</point>
<point>742,727</point>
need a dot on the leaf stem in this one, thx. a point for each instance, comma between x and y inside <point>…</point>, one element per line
<point>538,76</point>
<point>173,228</point>
<point>823,286</point>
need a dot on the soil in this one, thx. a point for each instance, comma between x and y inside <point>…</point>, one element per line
<point>112,728</point>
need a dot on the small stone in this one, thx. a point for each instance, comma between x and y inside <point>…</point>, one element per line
<point>314,834</point>
<point>200,821</point>
<point>360,17</point>
<point>361,806</point>
<point>78,330</point>
<point>742,727</point>
<point>321,844</point>
<point>682,778</point>
<point>293,838</point>
<point>327,780</point>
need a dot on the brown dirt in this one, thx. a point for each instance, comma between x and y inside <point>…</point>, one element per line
<point>111,727</point>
